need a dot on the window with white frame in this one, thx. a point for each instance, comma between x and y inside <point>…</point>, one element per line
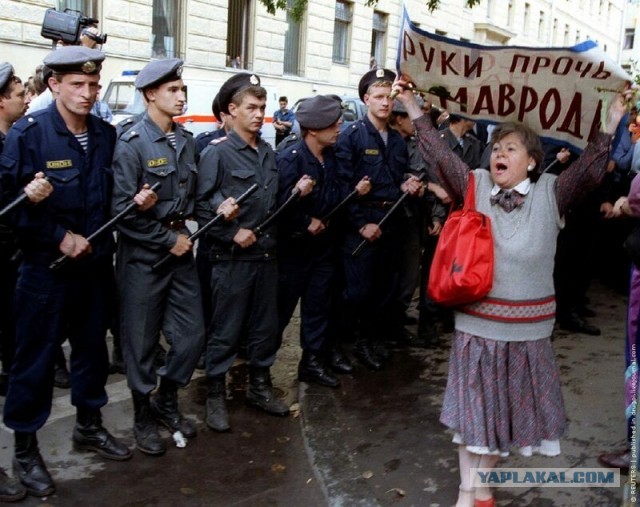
<point>292,44</point>
<point>342,32</point>
<point>165,29</point>
<point>378,39</point>
<point>239,33</point>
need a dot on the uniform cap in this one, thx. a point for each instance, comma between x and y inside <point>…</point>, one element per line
<point>74,60</point>
<point>233,85</point>
<point>398,107</point>
<point>6,73</point>
<point>157,72</point>
<point>215,107</point>
<point>371,77</point>
<point>320,112</point>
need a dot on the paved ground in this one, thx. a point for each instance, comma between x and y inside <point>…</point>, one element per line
<point>376,441</point>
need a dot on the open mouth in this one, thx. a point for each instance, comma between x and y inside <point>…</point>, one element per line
<point>500,167</point>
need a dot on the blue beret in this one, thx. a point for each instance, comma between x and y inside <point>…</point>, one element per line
<point>6,73</point>
<point>74,60</point>
<point>320,112</point>
<point>233,85</point>
<point>157,72</point>
<point>371,77</point>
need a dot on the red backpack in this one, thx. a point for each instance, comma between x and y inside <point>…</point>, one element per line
<point>462,267</point>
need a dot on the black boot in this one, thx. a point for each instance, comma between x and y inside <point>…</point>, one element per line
<point>145,428</point>
<point>165,409</point>
<point>339,361</point>
<point>260,394</point>
<point>90,435</point>
<point>11,490</point>
<point>364,353</point>
<point>427,334</point>
<point>29,467</point>
<point>217,416</point>
<point>312,370</point>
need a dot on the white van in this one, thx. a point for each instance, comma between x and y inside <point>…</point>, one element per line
<point>124,100</point>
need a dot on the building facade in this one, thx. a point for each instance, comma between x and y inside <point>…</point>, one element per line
<point>327,52</point>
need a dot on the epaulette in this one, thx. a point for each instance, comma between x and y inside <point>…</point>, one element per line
<point>25,123</point>
<point>128,135</point>
<point>217,141</point>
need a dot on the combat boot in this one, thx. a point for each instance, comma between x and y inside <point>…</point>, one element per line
<point>311,369</point>
<point>339,361</point>
<point>90,435</point>
<point>164,406</point>
<point>217,415</point>
<point>29,467</point>
<point>11,490</point>
<point>363,352</point>
<point>145,428</point>
<point>260,393</point>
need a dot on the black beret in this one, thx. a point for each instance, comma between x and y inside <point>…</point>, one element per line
<point>233,85</point>
<point>215,107</point>
<point>320,112</point>
<point>6,73</point>
<point>74,60</point>
<point>157,72</point>
<point>371,77</point>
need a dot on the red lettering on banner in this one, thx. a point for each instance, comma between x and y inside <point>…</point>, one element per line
<point>587,67</point>
<point>567,67</point>
<point>446,63</point>
<point>428,59</point>
<point>573,117</point>
<point>540,62</point>
<point>506,105</point>
<point>484,102</point>
<point>514,63</point>
<point>470,68</point>
<point>549,108</point>
<point>408,47</point>
<point>601,73</point>
<point>528,101</point>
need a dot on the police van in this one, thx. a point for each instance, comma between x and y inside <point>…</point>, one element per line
<point>124,100</point>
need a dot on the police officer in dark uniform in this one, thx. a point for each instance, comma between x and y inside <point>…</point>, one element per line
<point>12,108</point>
<point>75,150</point>
<point>306,259</point>
<point>158,150</point>
<point>244,273</point>
<point>370,148</point>
<point>202,140</point>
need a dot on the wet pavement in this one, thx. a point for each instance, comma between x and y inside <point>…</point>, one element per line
<point>375,441</point>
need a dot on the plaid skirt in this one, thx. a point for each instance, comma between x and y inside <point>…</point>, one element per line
<point>502,395</point>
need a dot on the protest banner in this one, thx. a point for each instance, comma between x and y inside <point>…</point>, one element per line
<point>558,92</point>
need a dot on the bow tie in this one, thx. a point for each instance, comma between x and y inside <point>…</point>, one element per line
<point>508,200</point>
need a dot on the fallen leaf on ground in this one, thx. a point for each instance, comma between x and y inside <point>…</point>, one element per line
<point>368,474</point>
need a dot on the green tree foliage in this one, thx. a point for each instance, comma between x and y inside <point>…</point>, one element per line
<point>299,6</point>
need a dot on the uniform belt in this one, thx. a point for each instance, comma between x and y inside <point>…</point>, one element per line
<point>175,225</point>
<point>378,204</point>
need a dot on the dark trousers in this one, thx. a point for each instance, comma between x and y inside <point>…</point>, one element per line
<point>8,279</point>
<point>49,304</point>
<point>244,304</point>
<point>371,280</point>
<point>150,302</point>
<point>305,273</point>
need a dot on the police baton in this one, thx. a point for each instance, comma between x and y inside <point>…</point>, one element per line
<point>339,206</point>
<point>201,230</point>
<point>395,206</point>
<point>270,219</point>
<point>61,261</point>
<point>22,197</point>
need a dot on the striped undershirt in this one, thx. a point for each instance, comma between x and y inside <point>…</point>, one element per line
<point>83,139</point>
<point>171,137</point>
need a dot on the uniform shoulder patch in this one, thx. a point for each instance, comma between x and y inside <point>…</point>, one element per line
<point>219,140</point>
<point>129,134</point>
